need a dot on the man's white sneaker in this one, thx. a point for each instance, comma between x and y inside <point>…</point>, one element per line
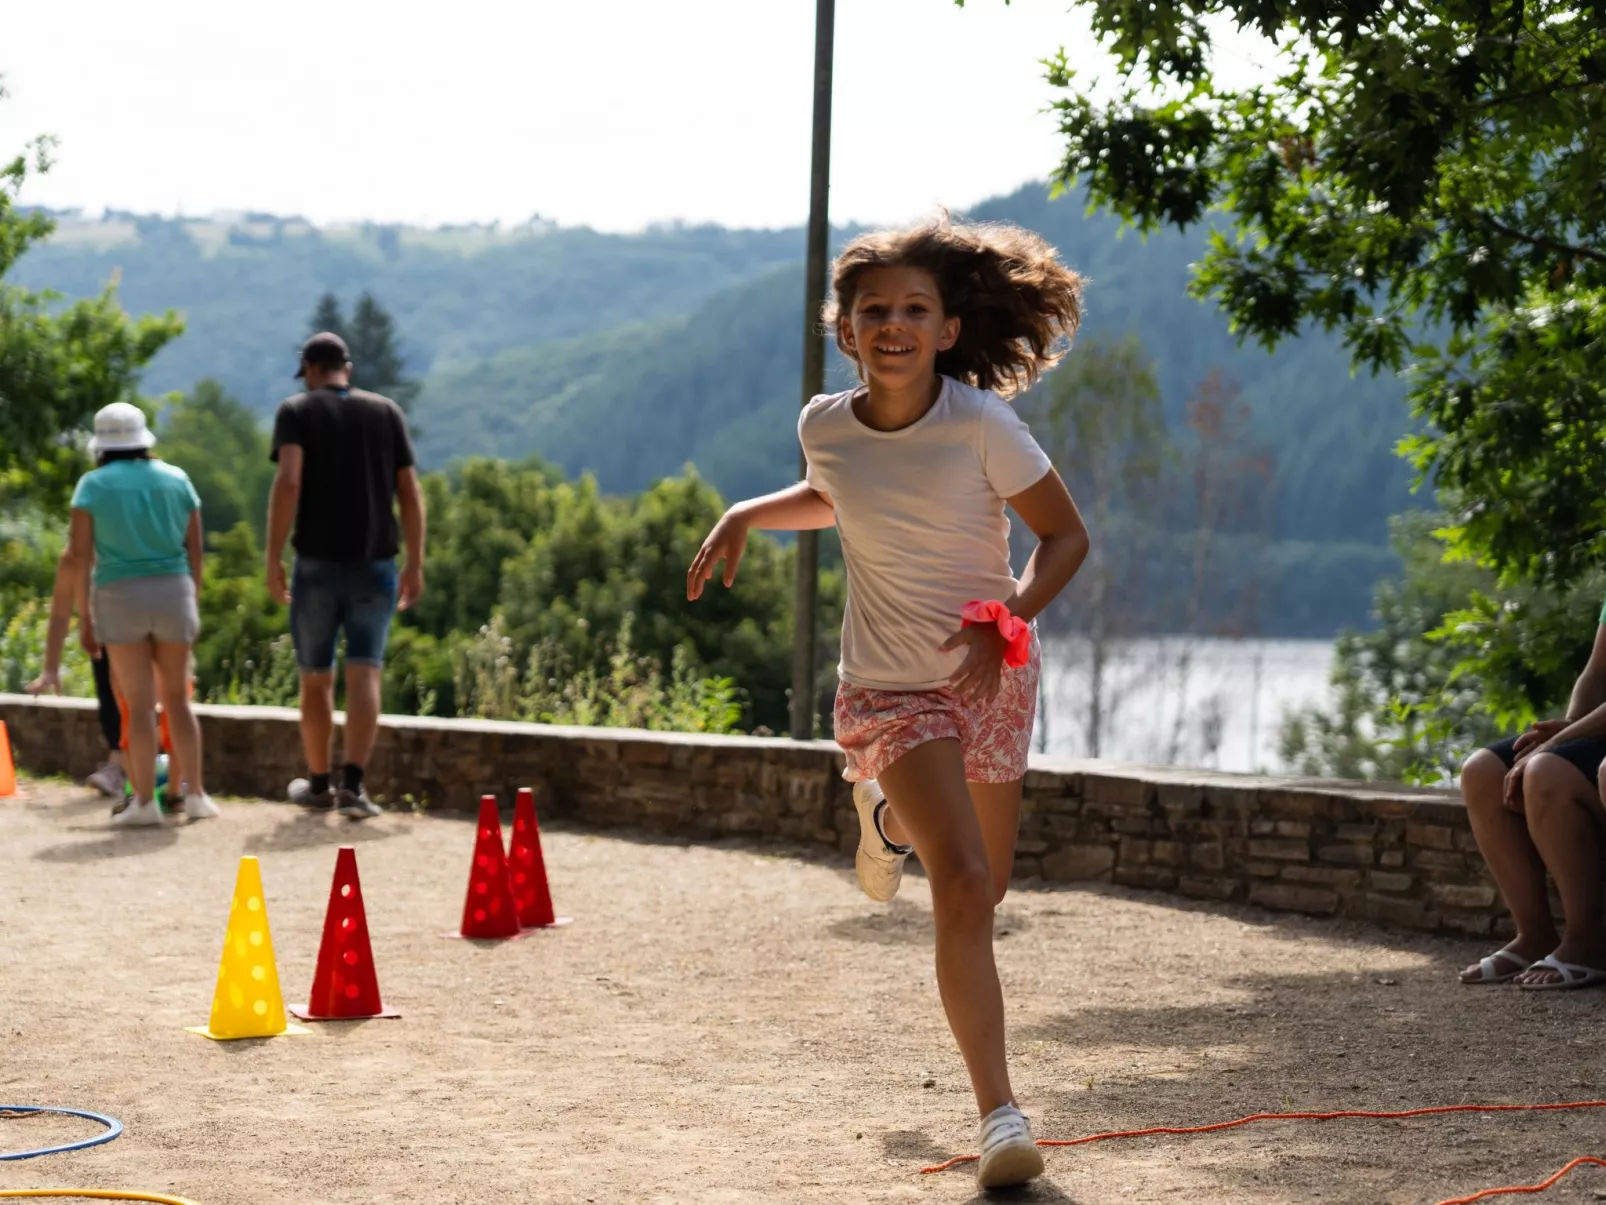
<point>1008,1154</point>
<point>878,861</point>
<point>140,813</point>
<point>201,807</point>
<point>108,780</point>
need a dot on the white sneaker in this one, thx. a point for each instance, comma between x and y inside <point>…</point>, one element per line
<point>878,861</point>
<point>1008,1154</point>
<point>108,780</point>
<point>201,807</point>
<point>140,813</point>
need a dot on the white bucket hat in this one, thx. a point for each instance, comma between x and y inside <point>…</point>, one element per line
<point>120,427</point>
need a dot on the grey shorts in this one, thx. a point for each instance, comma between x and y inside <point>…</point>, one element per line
<point>137,609</point>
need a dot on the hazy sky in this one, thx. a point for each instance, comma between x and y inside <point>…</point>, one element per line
<point>613,113</point>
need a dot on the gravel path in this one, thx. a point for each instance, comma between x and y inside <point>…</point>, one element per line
<point>732,1024</point>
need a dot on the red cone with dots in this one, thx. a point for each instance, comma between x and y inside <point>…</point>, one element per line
<point>528,867</point>
<point>489,910</point>
<point>345,986</point>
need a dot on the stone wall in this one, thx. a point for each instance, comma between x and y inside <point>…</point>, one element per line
<point>1390,855</point>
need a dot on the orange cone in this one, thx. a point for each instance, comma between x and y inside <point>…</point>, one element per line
<point>8,772</point>
<point>345,986</point>
<point>528,867</point>
<point>489,910</point>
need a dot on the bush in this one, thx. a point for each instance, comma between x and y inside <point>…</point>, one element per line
<point>22,653</point>
<point>552,689</point>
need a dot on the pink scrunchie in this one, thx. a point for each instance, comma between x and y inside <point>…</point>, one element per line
<point>1015,631</point>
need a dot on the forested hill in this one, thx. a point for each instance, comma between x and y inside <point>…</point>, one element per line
<point>634,355</point>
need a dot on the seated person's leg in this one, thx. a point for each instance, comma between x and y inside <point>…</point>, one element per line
<point>1565,818</point>
<point>1514,862</point>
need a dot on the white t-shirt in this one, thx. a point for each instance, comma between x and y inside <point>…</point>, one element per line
<point>921,515</point>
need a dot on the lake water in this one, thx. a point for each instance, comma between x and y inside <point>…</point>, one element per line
<point>1191,701</point>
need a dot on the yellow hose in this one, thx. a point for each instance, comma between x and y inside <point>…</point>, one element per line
<point>104,1194</point>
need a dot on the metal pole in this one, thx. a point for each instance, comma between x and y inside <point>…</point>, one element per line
<point>808,542</point>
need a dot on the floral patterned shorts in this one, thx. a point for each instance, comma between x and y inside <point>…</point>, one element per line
<point>877,727</point>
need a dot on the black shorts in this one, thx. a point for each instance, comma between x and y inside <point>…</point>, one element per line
<point>1586,755</point>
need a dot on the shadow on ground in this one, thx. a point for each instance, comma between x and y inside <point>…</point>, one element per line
<point>1378,1039</point>
<point>310,830</point>
<point>117,843</point>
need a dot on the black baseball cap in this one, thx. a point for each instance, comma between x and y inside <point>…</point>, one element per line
<point>325,349</point>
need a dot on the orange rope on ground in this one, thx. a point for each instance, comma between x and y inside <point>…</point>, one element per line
<point>1372,1113</point>
<point>1540,1187</point>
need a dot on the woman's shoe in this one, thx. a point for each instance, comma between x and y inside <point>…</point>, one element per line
<point>1008,1154</point>
<point>108,780</point>
<point>201,807</point>
<point>140,813</point>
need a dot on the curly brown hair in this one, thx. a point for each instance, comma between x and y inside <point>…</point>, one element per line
<point>1018,306</point>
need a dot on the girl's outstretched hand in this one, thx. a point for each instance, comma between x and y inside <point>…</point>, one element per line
<point>725,543</point>
<point>980,674</point>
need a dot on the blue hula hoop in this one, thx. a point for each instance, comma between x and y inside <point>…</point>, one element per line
<point>113,1129</point>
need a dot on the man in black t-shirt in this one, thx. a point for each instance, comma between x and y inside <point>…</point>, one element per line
<point>345,463</point>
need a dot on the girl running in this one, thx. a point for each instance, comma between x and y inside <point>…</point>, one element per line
<point>939,660</point>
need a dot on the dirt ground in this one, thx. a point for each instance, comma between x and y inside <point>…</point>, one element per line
<point>732,1024</point>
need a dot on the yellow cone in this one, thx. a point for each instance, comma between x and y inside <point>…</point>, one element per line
<point>248,1003</point>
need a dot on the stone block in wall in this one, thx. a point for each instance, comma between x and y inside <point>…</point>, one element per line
<point>1363,832</point>
<point>644,753</point>
<point>1168,853</point>
<point>1031,845</point>
<point>1331,876</point>
<point>1121,791</point>
<point>1440,860</point>
<point>1149,878</point>
<point>1288,897</point>
<point>1135,824</point>
<point>1200,888</point>
<point>1347,854</point>
<point>1132,852</point>
<point>1231,805</point>
<point>1473,924</point>
<point>1284,849</point>
<point>1462,895</point>
<point>1075,863</point>
<point>1264,870</point>
<point>1209,855</point>
<point>1432,836</point>
<point>1391,857</point>
<point>1388,880</point>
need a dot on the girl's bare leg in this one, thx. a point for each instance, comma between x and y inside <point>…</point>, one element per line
<point>173,673</point>
<point>926,787</point>
<point>135,674</point>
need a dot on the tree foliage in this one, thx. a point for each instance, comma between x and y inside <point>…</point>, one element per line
<point>1423,178</point>
<point>217,441</point>
<point>377,363</point>
<point>58,363</point>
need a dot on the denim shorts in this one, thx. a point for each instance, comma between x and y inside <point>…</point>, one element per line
<point>327,597</point>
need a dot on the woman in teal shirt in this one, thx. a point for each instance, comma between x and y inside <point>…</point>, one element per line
<point>138,522</point>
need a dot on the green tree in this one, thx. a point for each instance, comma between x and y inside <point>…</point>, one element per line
<point>376,358</point>
<point>216,440</point>
<point>58,364</point>
<point>377,363</point>
<point>327,316</point>
<point>1423,178</point>
<point>1099,418</point>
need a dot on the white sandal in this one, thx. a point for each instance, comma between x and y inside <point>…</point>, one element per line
<point>1488,974</point>
<point>1573,975</point>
